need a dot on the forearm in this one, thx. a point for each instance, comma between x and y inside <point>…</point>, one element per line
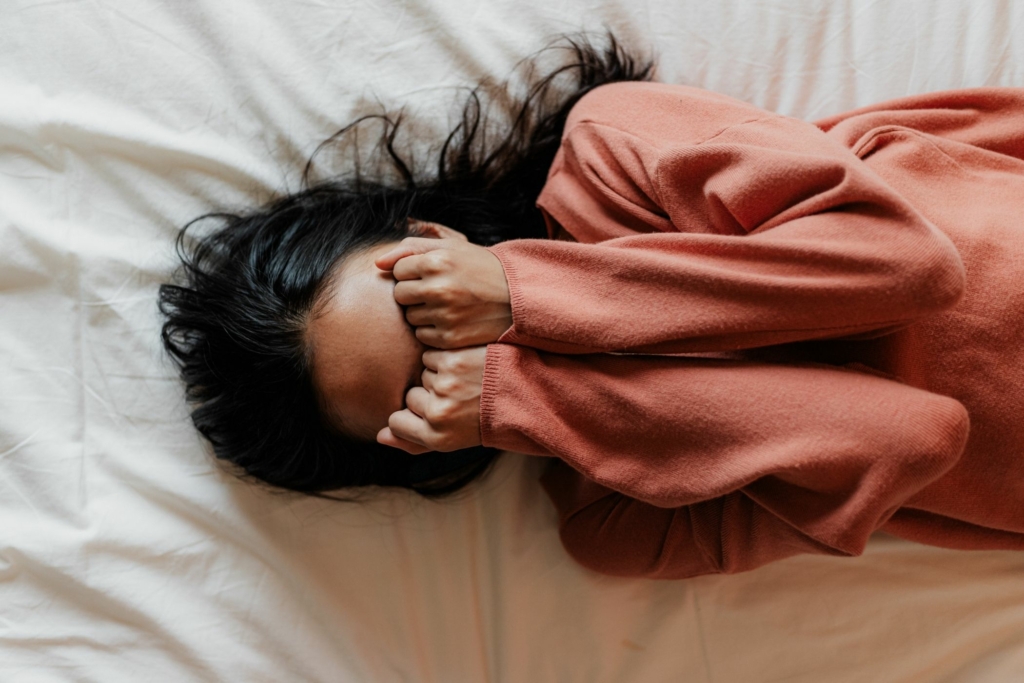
<point>826,449</point>
<point>611,533</point>
<point>766,232</point>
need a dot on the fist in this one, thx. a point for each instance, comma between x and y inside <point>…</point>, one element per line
<point>444,413</point>
<point>455,293</point>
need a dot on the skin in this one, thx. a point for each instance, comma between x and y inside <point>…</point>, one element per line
<point>399,342</point>
<point>365,355</point>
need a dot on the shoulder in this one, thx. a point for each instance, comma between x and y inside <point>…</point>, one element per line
<point>648,109</point>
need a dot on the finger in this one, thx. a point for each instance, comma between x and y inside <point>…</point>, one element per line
<point>414,267</point>
<point>388,438</point>
<point>431,229</point>
<point>409,292</point>
<point>437,338</point>
<point>420,314</point>
<point>449,233</point>
<point>427,315</point>
<point>431,358</point>
<point>407,247</point>
<point>409,426</point>
<point>417,400</point>
<point>428,379</point>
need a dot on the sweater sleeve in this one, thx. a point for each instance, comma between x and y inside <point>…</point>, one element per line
<point>711,225</point>
<point>982,117</point>
<point>611,533</point>
<point>736,462</point>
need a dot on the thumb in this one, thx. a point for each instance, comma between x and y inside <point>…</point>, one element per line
<point>388,438</point>
<point>410,246</point>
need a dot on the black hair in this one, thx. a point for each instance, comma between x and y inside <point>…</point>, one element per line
<point>235,318</point>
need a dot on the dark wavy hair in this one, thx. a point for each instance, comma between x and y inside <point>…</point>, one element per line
<point>235,318</point>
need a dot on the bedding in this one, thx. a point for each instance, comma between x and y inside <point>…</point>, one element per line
<point>127,554</point>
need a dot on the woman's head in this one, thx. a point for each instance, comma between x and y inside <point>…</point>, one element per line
<point>240,329</point>
<point>287,338</point>
<point>363,353</point>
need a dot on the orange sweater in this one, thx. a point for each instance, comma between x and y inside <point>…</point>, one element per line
<point>771,337</point>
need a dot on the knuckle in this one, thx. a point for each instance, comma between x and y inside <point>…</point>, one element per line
<point>432,413</point>
<point>443,411</point>
<point>402,296</point>
<point>433,262</point>
<point>446,385</point>
<point>440,292</point>
<point>436,339</point>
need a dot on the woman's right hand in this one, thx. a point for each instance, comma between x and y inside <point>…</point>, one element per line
<point>444,413</point>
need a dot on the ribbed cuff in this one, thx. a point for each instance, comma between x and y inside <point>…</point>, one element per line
<point>488,392</point>
<point>516,300</point>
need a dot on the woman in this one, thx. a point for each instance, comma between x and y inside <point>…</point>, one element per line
<point>751,337</point>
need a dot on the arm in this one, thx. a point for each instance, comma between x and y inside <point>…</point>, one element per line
<point>750,460</point>
<point>759,230</point>
<point>612,533</point>
<point>983,117</point>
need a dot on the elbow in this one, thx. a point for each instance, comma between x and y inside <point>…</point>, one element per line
<point>626,538</point>
<point>941,440</point>
<point>628,561</point>
<point>593,554</point>
<point>950,284</point>
<point>594,538</point>
<point>924,441</point>
<point>939,281</point>
<point>929,443</point>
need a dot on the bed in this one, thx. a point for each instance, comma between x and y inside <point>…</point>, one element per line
<point>126,554</point>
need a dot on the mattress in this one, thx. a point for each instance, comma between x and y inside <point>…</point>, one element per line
<point>126,554</point>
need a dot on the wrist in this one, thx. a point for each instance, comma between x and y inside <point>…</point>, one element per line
<point>509,335</point>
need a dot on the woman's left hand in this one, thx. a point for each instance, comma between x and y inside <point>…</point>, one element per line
<point>455,292</point>
<point>444,413</point>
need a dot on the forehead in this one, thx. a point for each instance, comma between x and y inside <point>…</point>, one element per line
<point>357,301</point>
<point>353,337</point>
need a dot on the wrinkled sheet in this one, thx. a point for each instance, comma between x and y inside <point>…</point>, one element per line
<point>127,555</point>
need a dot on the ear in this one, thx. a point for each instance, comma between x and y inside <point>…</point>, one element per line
<point>435,230</point>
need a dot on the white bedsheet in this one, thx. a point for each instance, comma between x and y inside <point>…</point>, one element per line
<point>126,555</point>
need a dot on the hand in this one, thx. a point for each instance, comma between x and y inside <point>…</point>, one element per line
<point>444,413</point>
<point>455,292</point>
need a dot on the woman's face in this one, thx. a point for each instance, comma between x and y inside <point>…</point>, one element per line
<point>365,355</point>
